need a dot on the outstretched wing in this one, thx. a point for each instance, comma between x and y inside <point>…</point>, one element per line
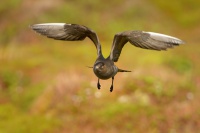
<point>142,39</point>
<point>67,32</point>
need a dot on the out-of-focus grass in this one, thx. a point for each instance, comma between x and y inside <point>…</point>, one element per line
<point>175,10</point>
<point>11,4</point>
<point>15,120</point>
<point>45,85</point>
<point>49,85</point>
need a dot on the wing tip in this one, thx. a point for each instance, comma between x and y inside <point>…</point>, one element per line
<point>31,26</point>
<point>182,42</point>
<point>34,26</point>
<point>179,42</point>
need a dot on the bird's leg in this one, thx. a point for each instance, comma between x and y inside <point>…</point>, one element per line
<point>98,84</point>
<point>111,87</point>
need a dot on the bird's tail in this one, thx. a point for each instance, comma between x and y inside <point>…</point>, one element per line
<point>121,70</point>
<point>89,67</point>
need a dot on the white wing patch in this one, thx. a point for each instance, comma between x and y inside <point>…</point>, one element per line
<point>53,24</point>
<point>161,35</point>
<point>165,38</point>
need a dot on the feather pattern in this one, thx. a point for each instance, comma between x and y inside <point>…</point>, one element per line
<point>142,39</point>
<point>75,32</point>
<point>67,32</point>
<point>104,68</point>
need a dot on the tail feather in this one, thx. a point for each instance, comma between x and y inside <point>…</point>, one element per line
<point>121,70</point>
<point>89,67</point>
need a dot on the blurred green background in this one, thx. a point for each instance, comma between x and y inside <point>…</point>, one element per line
<point>45,86</point>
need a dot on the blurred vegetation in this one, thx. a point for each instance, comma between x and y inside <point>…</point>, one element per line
<point>45,86</point>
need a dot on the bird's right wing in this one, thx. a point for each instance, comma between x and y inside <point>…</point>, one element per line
<point>142,39</point>
<point>67,32</point>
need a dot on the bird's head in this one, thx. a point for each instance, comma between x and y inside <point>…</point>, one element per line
<point>104,70</point>
<point>100,68</point>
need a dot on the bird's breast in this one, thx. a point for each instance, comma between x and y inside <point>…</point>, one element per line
<point>105,73</point>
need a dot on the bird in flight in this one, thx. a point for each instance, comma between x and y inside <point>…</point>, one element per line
<point>104,68</point>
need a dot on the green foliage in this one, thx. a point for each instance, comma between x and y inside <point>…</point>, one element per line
<point>180,64</point>
<point>18,88</point>
<point>45,86</point>
<point>184,12</point>
<point>13,120</point>
<point>7,5</point>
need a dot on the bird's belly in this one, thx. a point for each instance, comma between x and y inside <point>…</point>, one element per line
<point>106,74</point>
<point>103,76</point>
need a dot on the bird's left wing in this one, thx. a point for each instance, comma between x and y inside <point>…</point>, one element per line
<point>142,39</point>
<point>66,32</point>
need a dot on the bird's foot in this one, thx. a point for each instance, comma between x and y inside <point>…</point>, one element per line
<point>111,88</point>
<point>98,86</point>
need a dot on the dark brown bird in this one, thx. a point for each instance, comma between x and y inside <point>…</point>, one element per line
<point>104,68</point>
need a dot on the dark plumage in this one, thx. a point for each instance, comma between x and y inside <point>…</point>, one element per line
<point>104,68</point>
